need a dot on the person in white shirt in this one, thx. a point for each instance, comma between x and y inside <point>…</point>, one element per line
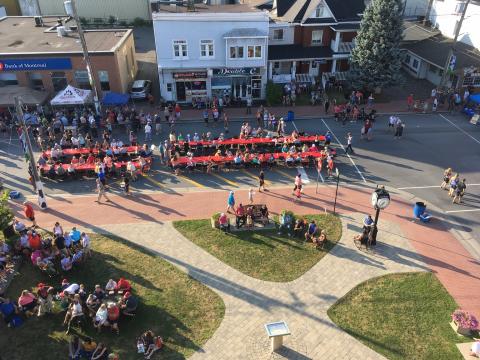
<point>148,132</point>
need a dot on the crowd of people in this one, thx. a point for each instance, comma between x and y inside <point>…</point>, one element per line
<point>300,227</point>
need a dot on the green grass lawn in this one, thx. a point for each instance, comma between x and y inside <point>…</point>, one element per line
<point>262,254</point>
<point>180,309</point>
<point>401,316</point>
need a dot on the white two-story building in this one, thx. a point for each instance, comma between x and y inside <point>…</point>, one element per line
<point>211,50</point>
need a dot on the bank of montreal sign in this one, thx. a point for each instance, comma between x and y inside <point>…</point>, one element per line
<point>35,64</point>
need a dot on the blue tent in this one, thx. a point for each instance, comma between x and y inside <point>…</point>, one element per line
<point>475,98</point>
<point>113,98</point>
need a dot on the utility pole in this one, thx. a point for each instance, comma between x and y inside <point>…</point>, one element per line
<point>451,53</point>
<point>71,10</point>
<point>27,148</point>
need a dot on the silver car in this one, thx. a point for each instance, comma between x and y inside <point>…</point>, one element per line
<point>140,89</point>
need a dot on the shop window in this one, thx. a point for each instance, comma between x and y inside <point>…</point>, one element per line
<point>104,80</point>
<point>206,49</point>
<point>8,79</point>
<point>82,80</point>
<point>317,37</point>
<point>276,64</point>
<point>180,49</point>
<point>59,80</point>
<point>236,52</point>
<point>415,64</point>
<point>278,34</point>
<point>254,52</point>
<point>36,81</point>
<point>169,87</point>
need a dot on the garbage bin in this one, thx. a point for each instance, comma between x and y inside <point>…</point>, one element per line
<point>290,116</point>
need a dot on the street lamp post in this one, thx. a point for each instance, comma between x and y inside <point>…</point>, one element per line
<point>337,173</point>
<point>380,201</point>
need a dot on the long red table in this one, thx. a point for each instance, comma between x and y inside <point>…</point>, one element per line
<point>184,160</point>
<point>86,151</point>
<point>256,141</point>
<point>91,167</point>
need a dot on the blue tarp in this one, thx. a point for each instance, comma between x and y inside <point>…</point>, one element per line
<point>475,98</point>
<point>113,98</point>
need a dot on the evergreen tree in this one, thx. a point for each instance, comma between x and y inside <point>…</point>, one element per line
<point>377,58</point>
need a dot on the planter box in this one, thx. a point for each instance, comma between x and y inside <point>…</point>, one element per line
<point>460,330</point>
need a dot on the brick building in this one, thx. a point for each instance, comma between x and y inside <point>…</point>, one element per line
<point>311,39</point>
<point>42,58</point>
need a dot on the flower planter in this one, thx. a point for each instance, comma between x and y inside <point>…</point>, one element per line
<point>460,330</point>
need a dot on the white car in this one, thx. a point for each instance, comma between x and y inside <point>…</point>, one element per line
<point>140,89</point>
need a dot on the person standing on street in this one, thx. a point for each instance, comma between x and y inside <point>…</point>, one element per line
<point>326,105</point>
<point>231,202</point>
<point>101,191</point>
<point>410,102</point>
<point>126,184</point>
<point>29,213</point>
<point>226,122</point>
<point>398,128</point>
<point>349,143</point>
<point>249,105</point>
<point>459,192</point>
<point>298,183</point>
<point>261,181</point>
<point>148,132</point>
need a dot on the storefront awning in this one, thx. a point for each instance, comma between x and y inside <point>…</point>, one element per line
<point>28,96</point>
<point>304,79</point>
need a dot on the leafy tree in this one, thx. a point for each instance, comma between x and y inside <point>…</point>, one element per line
<point>376,59</point>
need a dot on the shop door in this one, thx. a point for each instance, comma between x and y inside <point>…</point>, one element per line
<point>181,91</point>
<point>239,87</point>
<point>256,88</point>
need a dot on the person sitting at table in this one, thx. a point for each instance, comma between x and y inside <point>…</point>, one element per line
<point>218,153</point>
<point>292,150</point>
<point>81,160</point>
<point>59,170</point>
<point>123,285</point>
<point>42,161</point>
<point>66,263</point>
<point>128,304</point>
<point>92,304</point>
<point>27,303</point>
<point>304,148</point>
<point>246,158</point>
<point>75,235</point>
<point>311,231</point>
<point>101,316</point>
<point>99,293</point>
<point>223,222</point>
<point>313,148</point>
<point>56,152</point>
<point>290,161</point>
<point>71,170</point>
<point>81,141</point>
<point>111,286</point>
<point>90,159</point>
<point>285,148</point>
<point>237,160</point>
<point>132,170</point>
<point>240,216</point>
<point>113,313</point>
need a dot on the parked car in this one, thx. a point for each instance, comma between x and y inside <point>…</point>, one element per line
<point>140,89</point>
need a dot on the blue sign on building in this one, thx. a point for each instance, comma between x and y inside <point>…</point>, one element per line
<point>35,64</point>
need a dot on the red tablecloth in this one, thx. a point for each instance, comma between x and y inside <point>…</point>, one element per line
<point>235,141</point>
<point>223,159</point>
<point>91,167</point>
<point>86,151</point>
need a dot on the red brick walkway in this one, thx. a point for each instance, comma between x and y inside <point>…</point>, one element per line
<point>453,265</point>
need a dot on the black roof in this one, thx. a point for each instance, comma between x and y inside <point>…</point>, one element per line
<point>346,9</point>
<point>345,26</point>
<point>435,50</point>
<point>301,13</point>
<point>287,52</point>
<point>283,6</point>
<point>320,21</point>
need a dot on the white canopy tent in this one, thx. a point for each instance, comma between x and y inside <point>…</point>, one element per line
<point>72,96</point>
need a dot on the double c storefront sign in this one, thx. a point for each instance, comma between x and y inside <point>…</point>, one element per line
<point>236,71</point>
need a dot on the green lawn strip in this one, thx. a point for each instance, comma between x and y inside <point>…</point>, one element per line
<point>401,316</point>
<point>180,309</point>
<point>262,254</point>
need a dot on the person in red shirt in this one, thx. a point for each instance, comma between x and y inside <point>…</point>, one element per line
<point>29,213</point>
<point>410,101</point>
<point>91,159</point>
<point>34,240</point>
<point>123,285</point>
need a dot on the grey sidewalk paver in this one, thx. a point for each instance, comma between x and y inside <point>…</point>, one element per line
<point>302,303</point>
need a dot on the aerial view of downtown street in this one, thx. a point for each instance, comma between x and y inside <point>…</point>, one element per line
<point>239,179</point>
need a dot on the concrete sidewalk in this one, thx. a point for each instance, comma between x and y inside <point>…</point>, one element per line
<point>458,271</point>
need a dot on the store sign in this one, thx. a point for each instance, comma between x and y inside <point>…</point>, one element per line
<point>236,71</point>
<point>35,64</point>
<point>190,75</point>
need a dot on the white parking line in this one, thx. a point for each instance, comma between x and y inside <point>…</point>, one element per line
<point>427,187</point>
<point>295,126</point>
<point>303,175</point>
<point>459,211</point>
<point>341,145</point>
<point>463,131</point>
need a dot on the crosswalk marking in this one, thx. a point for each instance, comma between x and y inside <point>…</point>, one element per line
<point>193,182</point>
<point>153,181</point>
<point>230,182</point>
<point>303,175</point>
<point>249,174</point>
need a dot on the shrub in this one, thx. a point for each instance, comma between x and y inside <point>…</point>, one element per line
<point>214,220</point>
<point>138,22</point>
<point>6,215</point>
<point>465,320</point>
<point>274,93</point>
<point>111,20</point>
<point>83,20</point>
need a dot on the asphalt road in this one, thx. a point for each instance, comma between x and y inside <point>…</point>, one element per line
<point>414,164</point>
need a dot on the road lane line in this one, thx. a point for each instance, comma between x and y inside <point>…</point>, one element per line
<point>427,187</point>
<point>343,148</point>
<point>459,128</point>
<point>303,175</point>
<point>230,182</point>
<point>193,182</point>
<point>249,174</point>
<point>459,211</point>
<point>153,181</point>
